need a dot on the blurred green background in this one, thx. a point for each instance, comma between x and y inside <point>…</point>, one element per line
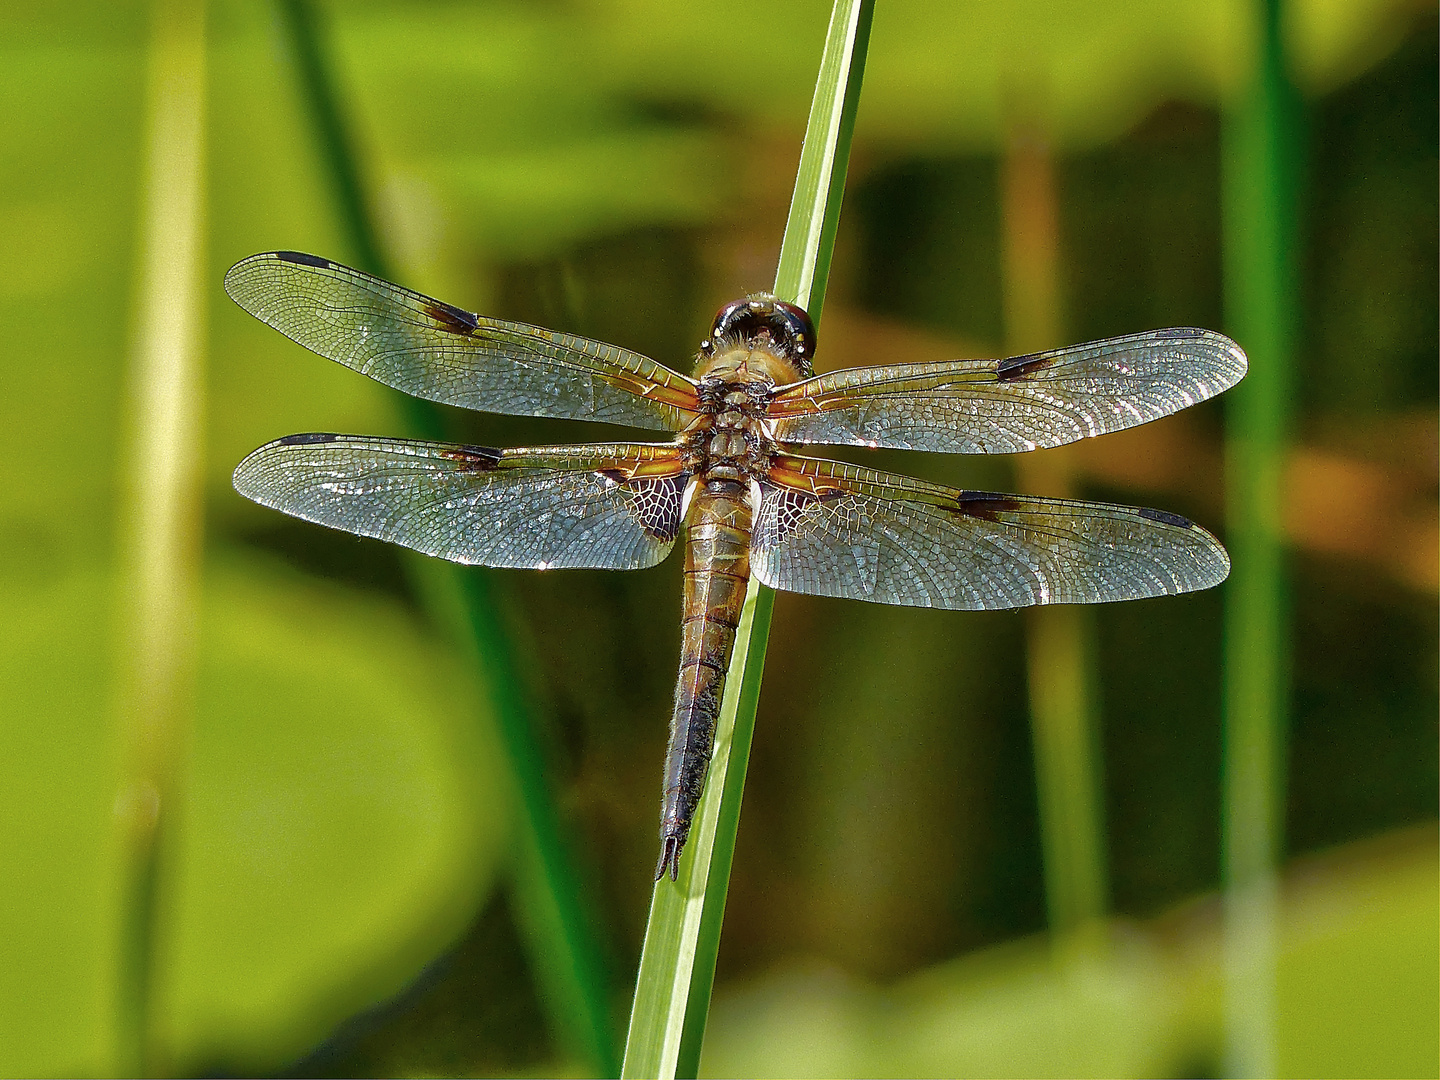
<point>339,894</point>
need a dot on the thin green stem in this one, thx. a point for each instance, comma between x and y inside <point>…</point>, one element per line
<point>1059,639</point>
<point>162,514</point>
<point>555,920</point>
<point>1068,777</point>
<point>1261,154</point>
<point>804,266</point>
<point>677,965</point>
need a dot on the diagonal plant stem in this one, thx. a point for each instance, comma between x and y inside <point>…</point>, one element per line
<point>677,964</point>
<point>559,928</point>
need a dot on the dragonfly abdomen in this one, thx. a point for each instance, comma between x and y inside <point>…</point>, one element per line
<point>717,570</point>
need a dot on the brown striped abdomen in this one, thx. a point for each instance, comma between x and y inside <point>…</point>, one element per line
<point>717,569</point>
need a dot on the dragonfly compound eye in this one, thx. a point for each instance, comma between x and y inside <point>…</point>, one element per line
<point>786,329</point>
<point>798,329</point>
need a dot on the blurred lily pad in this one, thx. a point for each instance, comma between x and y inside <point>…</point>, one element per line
<point>343,814</point>
<point>345,811</point>
<point>1358,993</point>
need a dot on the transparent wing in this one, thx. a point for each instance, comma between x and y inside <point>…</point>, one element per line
<point>432,350</point>
<point>832,529</point>
<point>1005,406</point>
<point>606,506</point>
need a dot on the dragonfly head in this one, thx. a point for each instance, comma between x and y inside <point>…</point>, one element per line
<point>762,322</point>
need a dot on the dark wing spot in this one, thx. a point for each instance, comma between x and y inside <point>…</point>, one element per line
<point>618,476</point>
<point>308,439</point>
<point>303,259</point>
<point>474,458</point>
<point>986,504</point>
<point>1186,331</point>
<point>1017,367</point>
<point>456,320</point>
<point>1166,518</point>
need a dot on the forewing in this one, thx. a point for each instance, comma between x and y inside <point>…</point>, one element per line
<point>606,506</point>
<point>432,350</point>
<point>1005,406</point>
<point>833,529</point>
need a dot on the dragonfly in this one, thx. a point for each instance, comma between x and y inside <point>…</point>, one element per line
<point>729,475</point>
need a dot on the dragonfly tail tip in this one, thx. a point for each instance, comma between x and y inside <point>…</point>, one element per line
<point>669,858</point>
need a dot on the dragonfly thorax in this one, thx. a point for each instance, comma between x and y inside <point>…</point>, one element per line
<point>730,439</point>
<point>740,364</point>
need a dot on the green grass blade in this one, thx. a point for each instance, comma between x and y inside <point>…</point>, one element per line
<point>1261,163</point>
<point>677,966</point>
<point>558,926</point>
<point>804,268</point>
<point>161,515</point>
